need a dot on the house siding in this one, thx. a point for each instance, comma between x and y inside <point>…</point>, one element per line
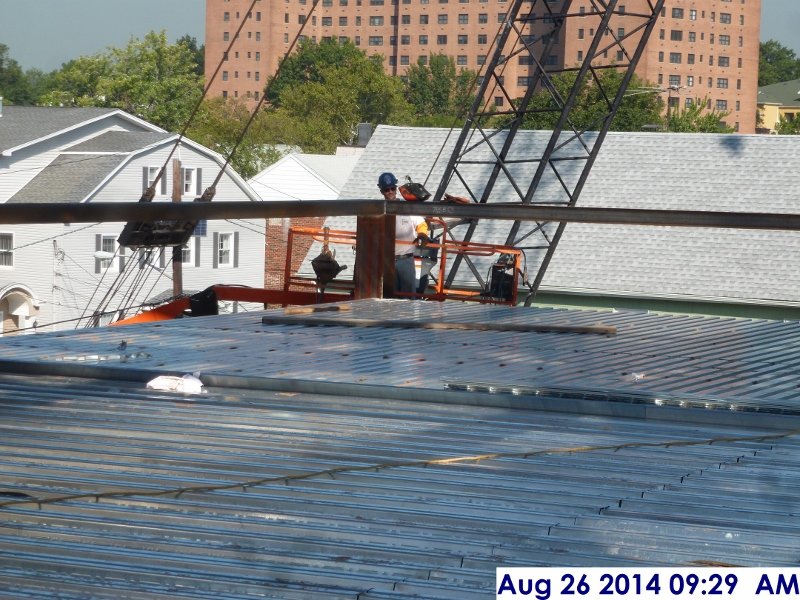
<point>58,264</point>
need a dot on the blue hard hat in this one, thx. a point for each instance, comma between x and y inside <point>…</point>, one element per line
<point>386,180</point>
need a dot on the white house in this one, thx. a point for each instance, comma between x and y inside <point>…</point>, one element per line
<point>66,276</point>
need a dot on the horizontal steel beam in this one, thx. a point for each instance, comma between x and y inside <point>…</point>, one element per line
<point>111,212</point>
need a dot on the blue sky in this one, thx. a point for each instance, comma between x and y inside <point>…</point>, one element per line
<point>46,33</point>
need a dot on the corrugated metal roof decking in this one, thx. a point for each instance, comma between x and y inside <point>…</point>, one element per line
<point>373,518</point>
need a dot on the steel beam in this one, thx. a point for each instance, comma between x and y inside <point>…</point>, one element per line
<point>112,212</point>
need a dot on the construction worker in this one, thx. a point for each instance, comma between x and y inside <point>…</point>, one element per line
<point>407,229</point>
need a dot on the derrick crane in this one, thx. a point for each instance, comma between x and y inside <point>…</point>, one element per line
<point>556,176</point>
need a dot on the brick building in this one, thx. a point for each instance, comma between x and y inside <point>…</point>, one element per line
<point>700,49</point>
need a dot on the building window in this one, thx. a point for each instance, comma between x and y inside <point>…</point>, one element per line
<point>661,34</point>
<point>463,19</point>
<point>722,105</point>
<point>226,36</point>
<point>224,76</point>
<point>376,40</point>
<point>358,21</point>
<point>498,101</point>
<point>423,40</point>
<point>376,21</point>
<point>677,13</point>
<point>224,249</point>
<point>692,36</point>
<point>674,80</point>
<point>581,34</point>
<point>187,251</point>
<point>724,40</point>
<point>481,58</point>
<point>690,59</point>
<point>524,81</point>
<point>463,40</point>
<point>676,35</point>
<point>501,17</point>
<point>675,58</point>
<point>441,40</point>
<point>108,246</point>
<point>722,83</point>
<point>724,61</point>
<point>725,18</point>
<point>405,19</point>
<point>620,56</point>
<point>226,16</point>
<point>461,60</point>
<point>189,178</point>
<point>327,21</point>
<point>423,60</point>
<point>404,59</point>
<point>689,80</point>
<point>483,38</point>
<point>423,19</point>
<point>483,18</point>
<point>579,58</point>
<point>692,14</point>
<point>441,19</point>
<point>660,57</point>
<point>7,249</point>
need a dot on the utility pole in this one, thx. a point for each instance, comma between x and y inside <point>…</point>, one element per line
<point>177,251</point>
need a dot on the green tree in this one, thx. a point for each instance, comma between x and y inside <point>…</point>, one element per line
<point>14,86</point>
<point>438,93</point>
<point>198,53</point>
<point>325,90</point>
<point>326,113</point>
<point>640,106</point>
<point>76,83</point>
<point>776,63</point>
<point>309,61</point>
<point>698,118</point>
<point>786,127</point>
<point>149,78</point>
<point>219,124</point>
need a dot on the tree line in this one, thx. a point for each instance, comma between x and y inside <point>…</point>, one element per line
<point>323,92</point>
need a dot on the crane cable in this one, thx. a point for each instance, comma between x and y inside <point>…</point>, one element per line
<point>149,193</point>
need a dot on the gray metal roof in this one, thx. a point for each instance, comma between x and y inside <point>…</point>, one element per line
<point>316,464</point>
<point>22,124</point>
<point>69,178</point>
<point>120,141</point>
<point>635,170</point>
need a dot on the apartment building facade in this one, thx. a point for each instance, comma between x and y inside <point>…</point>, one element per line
<point>700,50</point>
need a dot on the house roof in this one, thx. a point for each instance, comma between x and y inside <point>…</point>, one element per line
<point>299,176</point>
<point>120,141</point>
<point>340,462</point>
<point>784,93</point>
<point>22,125</point>
<point>69,178</point>
<point>79,169</point>
<point>713,172</point>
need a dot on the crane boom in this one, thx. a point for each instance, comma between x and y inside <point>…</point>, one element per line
<point>486,143</point>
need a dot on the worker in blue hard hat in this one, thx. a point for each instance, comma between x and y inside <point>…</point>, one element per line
<point>407,229</point>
